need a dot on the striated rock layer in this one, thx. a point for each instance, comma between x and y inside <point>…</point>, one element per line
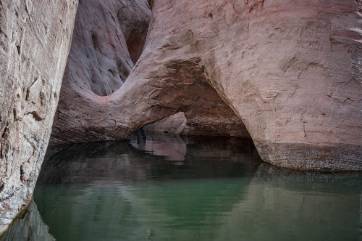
<point>289,70</point>
<point>93,106</point>
<point>34,44</point>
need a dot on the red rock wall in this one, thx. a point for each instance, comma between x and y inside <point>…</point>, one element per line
<point>289,70</point>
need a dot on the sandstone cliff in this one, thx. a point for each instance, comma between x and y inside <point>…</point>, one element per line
<point>34,44</point>
<point>93,106</point>
<point>287,72</point>
<point>290,71</point>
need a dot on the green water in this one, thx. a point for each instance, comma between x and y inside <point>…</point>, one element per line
<point>175,189</point>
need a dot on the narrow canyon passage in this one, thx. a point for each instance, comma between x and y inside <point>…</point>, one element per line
<point>284,74</point>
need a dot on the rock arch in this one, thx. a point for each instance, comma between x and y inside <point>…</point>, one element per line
<point>176,85</point>
<point>288,70</point>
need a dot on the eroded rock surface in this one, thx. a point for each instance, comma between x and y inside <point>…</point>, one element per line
<point>88,111</point>
<point>290,71</point>
<point>35,38</point>
<point>100,60</point>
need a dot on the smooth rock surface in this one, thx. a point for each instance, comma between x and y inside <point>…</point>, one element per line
<point>35,39</point>
<point>99,62</point>
<point>290,71</point>
<point>93,106</point>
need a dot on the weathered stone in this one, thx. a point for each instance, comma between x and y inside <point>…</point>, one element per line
<point>34,44</point>
<point>174,124</point>
<point>289,70</point>
<point>99,63</point>
<point>88,112</point>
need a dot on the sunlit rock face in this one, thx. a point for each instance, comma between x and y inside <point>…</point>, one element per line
<point>35,39</point>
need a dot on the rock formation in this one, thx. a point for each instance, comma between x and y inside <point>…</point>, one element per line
<point>287,72</point>
<point>35,38</point>
<point>290,71</point>
<point>105,48</point>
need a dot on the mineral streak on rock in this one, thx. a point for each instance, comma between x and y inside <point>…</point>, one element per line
<point>35,39</point>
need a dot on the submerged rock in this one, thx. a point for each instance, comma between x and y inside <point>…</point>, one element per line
<point>35,38</point>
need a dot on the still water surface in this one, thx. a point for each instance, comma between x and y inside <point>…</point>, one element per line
<point>168,188</point>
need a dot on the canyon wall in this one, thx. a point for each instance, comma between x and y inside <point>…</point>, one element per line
<point>289,70</point>
<point>35,39</point>
<point>286,73</point>
<point>96,105</point>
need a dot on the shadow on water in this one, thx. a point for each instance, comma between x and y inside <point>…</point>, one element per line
<point>29,227</point>
<point>161,157</point>
<point>172,188</point>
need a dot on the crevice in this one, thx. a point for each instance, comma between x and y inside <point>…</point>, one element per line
<point>136,41</point>
<point>151,3</point>
<point>22,173</point>
<point>124,70</point>
<point>95,41</point>
<point>35,115</point>
<point>18,49</point>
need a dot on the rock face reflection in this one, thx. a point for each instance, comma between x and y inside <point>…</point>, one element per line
<point>169,188</point>
<point>29,227</point>
<point>154,156</point>
<point>283,205</point>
